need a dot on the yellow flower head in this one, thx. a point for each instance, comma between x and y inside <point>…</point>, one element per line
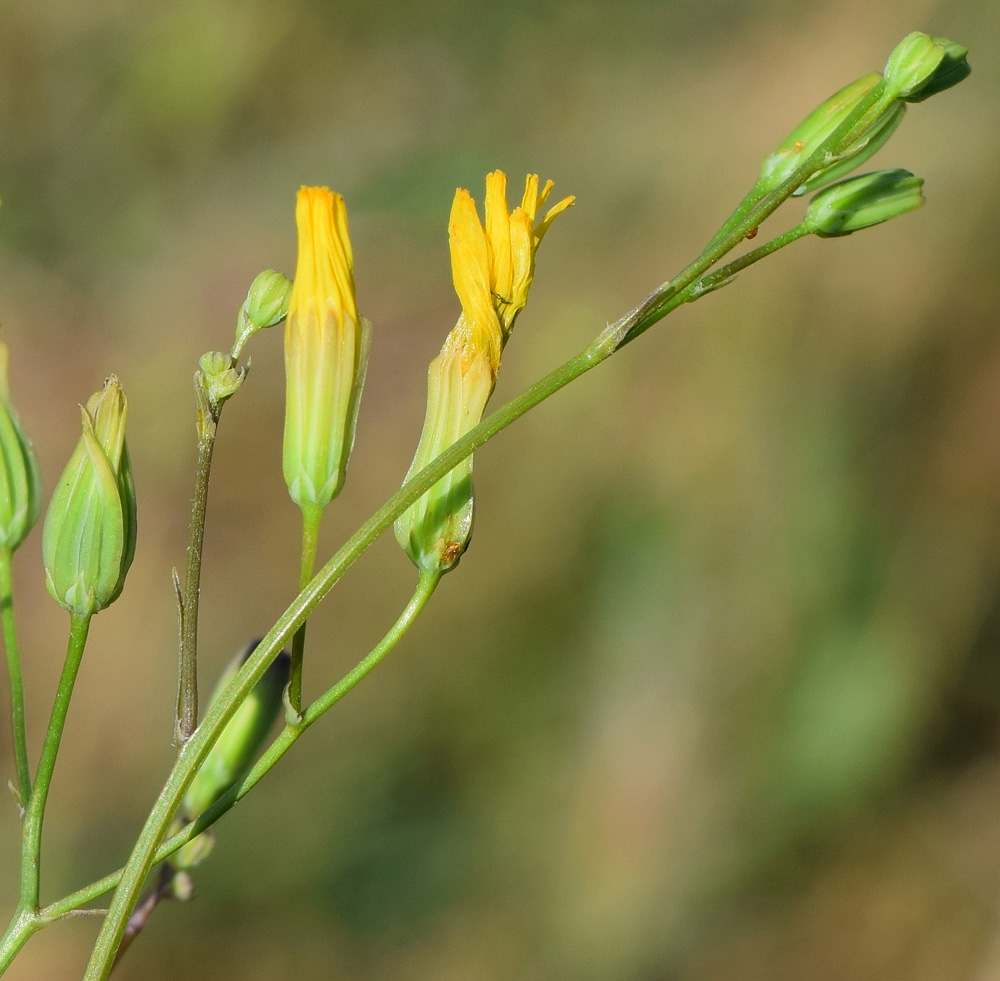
<point>492,267</point>
<point>326,352</point>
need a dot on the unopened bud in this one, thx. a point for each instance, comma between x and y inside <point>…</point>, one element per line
<point>951,69</point>
<point>218,377</point>
<point>326,353</point>
<point>921,66</point>
<point>230,758</point>
<point>863,201</point>
<point>20,479</point>
<point>266,305</point>
<point>88,539</point>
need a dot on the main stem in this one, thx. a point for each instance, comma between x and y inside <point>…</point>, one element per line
<point>17,718</point>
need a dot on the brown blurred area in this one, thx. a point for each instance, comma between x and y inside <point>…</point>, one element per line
<point>715,693</point>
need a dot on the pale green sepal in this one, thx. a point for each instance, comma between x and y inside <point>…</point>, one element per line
<point>265,306</point>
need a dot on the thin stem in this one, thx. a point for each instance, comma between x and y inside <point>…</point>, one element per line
<point>35,814</point>
<point>14,671</point>
<point>311,517</point>
<point>187,672</point>
<point>281,744</point>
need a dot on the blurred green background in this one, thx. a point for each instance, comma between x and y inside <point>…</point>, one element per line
<point>715,694</point>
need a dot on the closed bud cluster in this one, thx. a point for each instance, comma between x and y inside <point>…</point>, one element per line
<point>217,377</point>
<point>231,757</point>
<point>88,539</point>
<point>492,268</point>
<point>326,353</point>
<point>20,479</point>
<point>863,201</point>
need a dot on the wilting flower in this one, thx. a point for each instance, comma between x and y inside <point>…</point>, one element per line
<point>88,539</point>
<point>492,268</point>
<point>326,353</point>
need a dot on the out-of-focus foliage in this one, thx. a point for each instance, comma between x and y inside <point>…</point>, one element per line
<point>716,691</point>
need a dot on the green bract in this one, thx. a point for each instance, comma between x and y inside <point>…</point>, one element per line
<point>88,540</point>
<point>20,479</point>
<point>233,753</point>
<point>860,202</point>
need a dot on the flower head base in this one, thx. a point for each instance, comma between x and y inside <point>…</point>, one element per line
<point>20,478</point>
<point>88,540</point>
<point>492,267</point>
<point>326,353</point>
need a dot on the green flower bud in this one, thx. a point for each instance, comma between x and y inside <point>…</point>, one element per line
<point>267,301</point>
<point>266,305</point>
<point>88,539</point>
<point>862,201</point>
<point>230,758</point>
<point>951,69</point>
<point>921,66</point>
<point>20,478</point>
<point>814,129</point>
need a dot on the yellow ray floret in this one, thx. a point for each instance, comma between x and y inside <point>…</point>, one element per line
<point>498,260</point>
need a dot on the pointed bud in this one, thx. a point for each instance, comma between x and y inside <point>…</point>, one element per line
<point>921,66</point>
<point>88,539</point>
<point>230,759</point>
<point>266,305</point>
<point>20,478</point>
<point>492,267</point>
<point>863,201</point>
<point>806,138</point>
<point>326,353</point>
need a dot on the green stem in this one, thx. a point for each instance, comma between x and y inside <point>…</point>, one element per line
<point>281,744</point>
<point>35,813</point>
<point>14,670</point>
<point>187,671</point>
<point>311,517</point>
